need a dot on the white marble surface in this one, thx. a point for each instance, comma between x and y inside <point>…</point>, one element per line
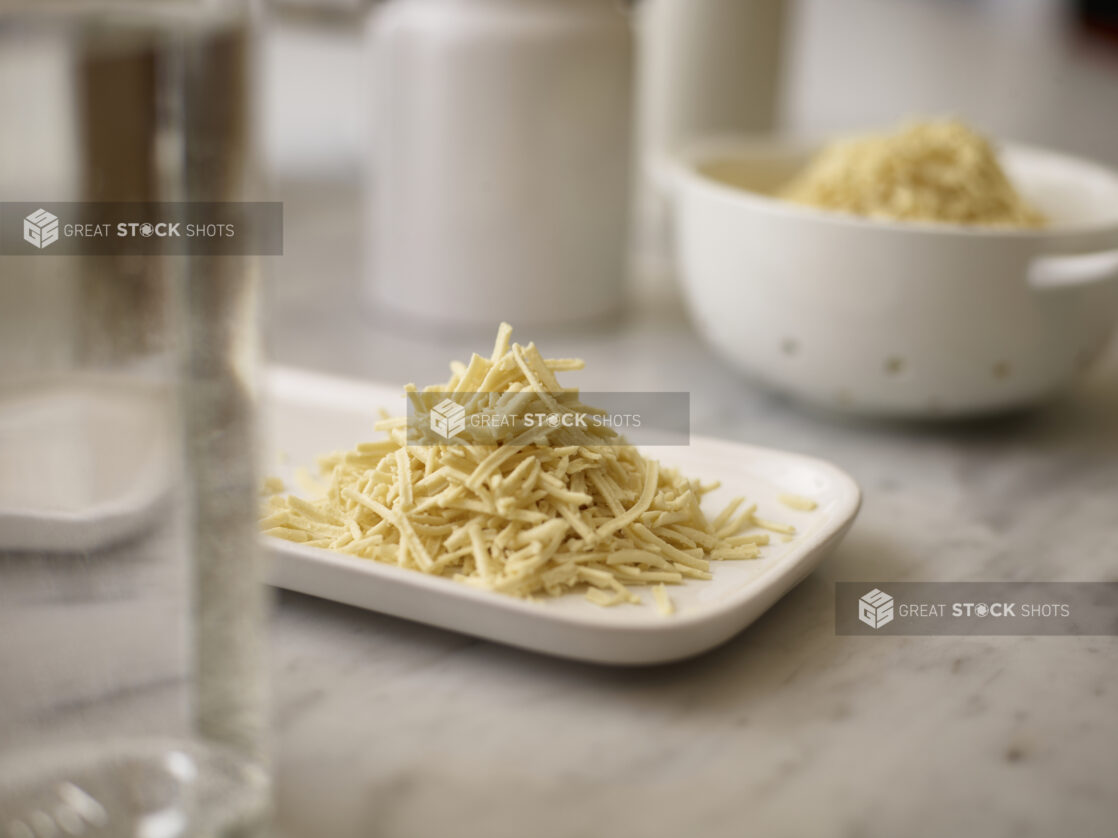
<point>400,730</point>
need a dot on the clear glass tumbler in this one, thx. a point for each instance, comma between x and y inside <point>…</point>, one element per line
<point>131,604</point>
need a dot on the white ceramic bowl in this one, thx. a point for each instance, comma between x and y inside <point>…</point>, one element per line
<point>896,318</point>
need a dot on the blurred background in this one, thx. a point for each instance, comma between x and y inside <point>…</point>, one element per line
<point>1043,72</point>
<point>1037,71</point>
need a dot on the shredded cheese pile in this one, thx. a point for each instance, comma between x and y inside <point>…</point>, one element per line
<point>928,171</point>
<point>521,518</point>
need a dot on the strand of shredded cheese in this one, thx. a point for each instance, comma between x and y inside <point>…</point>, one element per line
<point>794,501</point>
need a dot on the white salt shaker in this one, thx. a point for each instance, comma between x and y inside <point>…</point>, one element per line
<point>498,184</point>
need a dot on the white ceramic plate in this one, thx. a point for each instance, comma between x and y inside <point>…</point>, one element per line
<point>83,462</point>
<point>311,414</point>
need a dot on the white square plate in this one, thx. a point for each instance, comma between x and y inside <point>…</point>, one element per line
<point>310,414</point>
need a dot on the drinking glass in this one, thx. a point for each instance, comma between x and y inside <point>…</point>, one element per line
<point>131,605</point>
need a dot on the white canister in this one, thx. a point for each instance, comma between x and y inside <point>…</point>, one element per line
<point>499,178</point>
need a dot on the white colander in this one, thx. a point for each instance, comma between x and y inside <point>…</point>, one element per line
<point>888,317</point>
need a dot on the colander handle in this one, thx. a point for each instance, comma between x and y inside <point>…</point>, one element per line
<point>1049,273</point>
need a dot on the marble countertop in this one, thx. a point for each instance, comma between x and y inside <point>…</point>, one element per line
<point>389,728</point>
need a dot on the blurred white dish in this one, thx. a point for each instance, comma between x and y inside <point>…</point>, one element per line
<point>83,462</point>
<point>309,414</point>
<point>896,318</point>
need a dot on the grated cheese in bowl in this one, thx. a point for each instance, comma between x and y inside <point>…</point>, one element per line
<point>525,516</point>
<point>938,170</point>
